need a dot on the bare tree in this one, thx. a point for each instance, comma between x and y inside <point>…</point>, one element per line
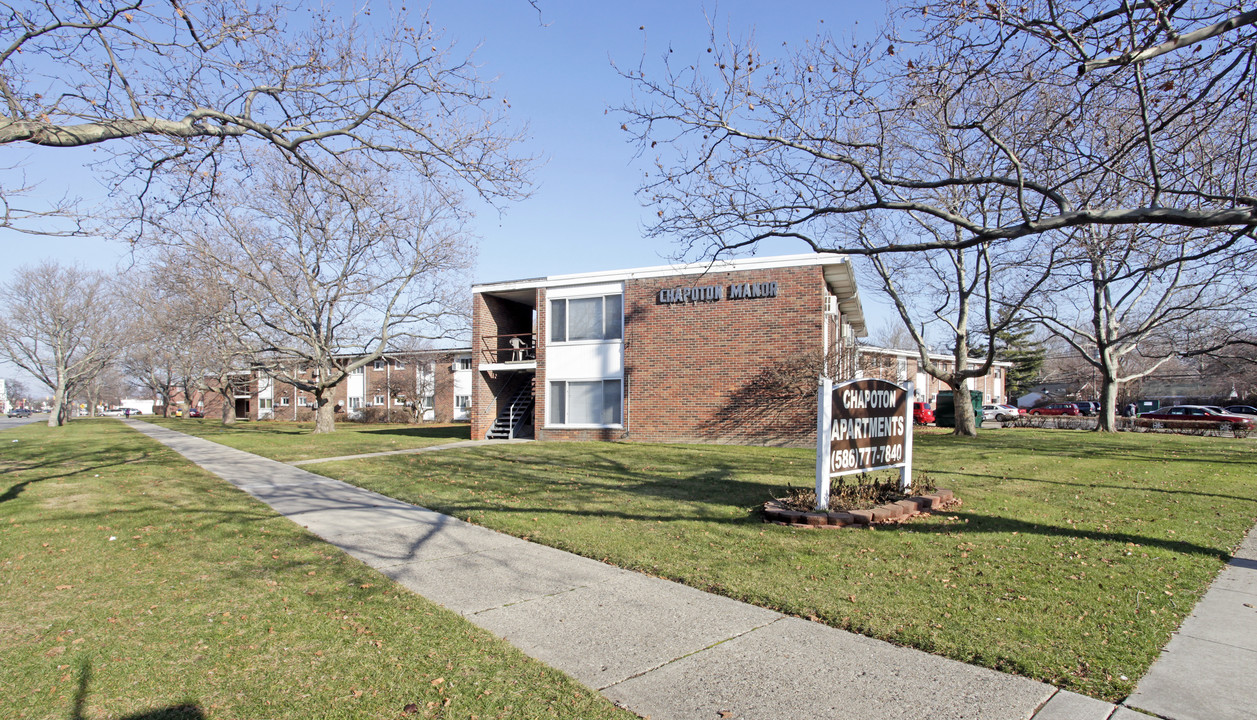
<point>318,271</point>
<point>167,318</point>
<point>191,342</point>
<point>63,328</point>
<point>183,94</point>
<point>1130,301</point>
<point>980,100</point>
<point>15,391</point>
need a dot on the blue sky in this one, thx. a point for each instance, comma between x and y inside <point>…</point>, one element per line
<point>555,67</point>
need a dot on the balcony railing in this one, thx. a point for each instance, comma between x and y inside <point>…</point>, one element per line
<point>513,348</point>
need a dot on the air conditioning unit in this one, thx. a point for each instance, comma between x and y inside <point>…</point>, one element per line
<point>831,305</point>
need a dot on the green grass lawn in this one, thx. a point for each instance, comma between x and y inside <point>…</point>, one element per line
<point>290,441</point>
<point>1071,560</point>
<point>135,585</point>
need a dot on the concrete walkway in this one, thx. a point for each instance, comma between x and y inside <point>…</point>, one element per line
<point>669,651</point>
<point>1208,671</point>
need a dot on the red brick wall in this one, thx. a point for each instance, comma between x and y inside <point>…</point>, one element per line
<point>728,371</point>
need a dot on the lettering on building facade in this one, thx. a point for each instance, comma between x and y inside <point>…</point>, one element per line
<point>714,293</point>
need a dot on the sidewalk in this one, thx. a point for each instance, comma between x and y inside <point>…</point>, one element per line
<point>669,651</point>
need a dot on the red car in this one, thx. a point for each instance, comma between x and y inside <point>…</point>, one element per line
<point>1199,413</point>
<point>922,413</point>
<point>1056,409</point>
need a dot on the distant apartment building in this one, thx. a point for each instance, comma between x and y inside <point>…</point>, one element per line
<point>436,382</point>
<point>901,366</point>
<point>435,385</point>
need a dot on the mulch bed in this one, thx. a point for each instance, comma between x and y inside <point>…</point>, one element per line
<point>777,511</point>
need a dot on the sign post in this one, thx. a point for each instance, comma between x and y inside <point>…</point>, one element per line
<point>861,426</point>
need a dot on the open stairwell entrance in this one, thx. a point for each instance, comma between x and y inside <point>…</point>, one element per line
<point>515,419</point>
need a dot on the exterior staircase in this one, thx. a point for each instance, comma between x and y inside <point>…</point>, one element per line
<point>516,416</point>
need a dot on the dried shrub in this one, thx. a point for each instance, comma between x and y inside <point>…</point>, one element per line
<point>864,492</point>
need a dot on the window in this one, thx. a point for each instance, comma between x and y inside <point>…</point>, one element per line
<point>283,402</point>
<point>462,402</point>
<point>399,401</point>
<point>355,403</point>
<point>264,403</point>
<point>303,401</point>
<point>464,363</point>
<point>356,371</point>
<point>398,364</point>
<point>595,318</point>
<point>429,402</point>
<point>378,400</point>
<point>589,402</point>
<point>377,365</point>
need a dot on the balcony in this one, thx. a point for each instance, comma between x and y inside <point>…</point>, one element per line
<point>516,351</point>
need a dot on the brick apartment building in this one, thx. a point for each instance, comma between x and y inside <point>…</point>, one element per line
<point>725,352</point>
<point>899,366</point>
<point>715,352</point>
<point>438,380</point>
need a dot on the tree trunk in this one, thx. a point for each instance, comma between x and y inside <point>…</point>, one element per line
<point>966,424</point>
<point>56,417</point>
<point>1107,419</point>
<point>229,409</point>
<point>324,415</point>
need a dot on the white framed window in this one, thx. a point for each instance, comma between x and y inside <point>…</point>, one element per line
<point>399,402</point>
<point>378,365</point>
<point>585,402</point>
<point>302,401</point>
<point>355,403</point>
<point>356,371</point>
<point>398,364</point>
<point>429,402</point>
<point>462,402</point>
<point>283,402</point>
<point>378,400</point>
<point>591,318</point>
<point>464,363</point>
<point>264,403</point>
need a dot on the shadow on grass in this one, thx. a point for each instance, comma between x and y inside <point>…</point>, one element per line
<point>186,711</point>
<point>51,460</point>
<point>435,432</point>
<point>975,523</point>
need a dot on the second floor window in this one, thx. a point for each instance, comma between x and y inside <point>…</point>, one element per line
<point>595,318</point>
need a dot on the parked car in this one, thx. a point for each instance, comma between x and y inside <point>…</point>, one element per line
<point>1088,407</point>
<point>1199,413</point>
<point>196,413</point>
<point>1056,409</point>
<point>1241,409</point>
<point>922,413</point>
<point>19,413</point>
<point>999,412</point>
<point>114,412</point>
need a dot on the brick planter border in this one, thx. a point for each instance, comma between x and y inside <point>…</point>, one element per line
<point>776,512</point>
